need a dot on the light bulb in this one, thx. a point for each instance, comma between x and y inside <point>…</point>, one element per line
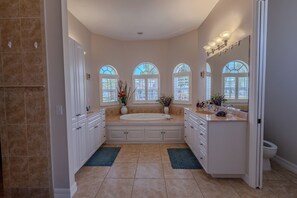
<point>207,48</point>
<point>212,45</point>
<point>219,41</point>
<point>225,35</point>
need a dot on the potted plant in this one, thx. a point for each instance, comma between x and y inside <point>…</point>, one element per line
<point>124,95</point>
<point>218,99</point>
<point>165,101</point>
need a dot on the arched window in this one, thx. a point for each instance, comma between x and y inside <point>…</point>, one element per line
<point>208,82</point>
<point>146,81</point>
<point>235,80</point>
<point>108,81</point>
<point>182,78</point>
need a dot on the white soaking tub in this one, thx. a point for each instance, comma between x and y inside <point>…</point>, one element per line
<point>145,116</point>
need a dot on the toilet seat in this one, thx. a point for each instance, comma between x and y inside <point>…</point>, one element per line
<point>271,145</point>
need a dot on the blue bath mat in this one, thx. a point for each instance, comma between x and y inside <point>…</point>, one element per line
<point>104,156</point>
<point>183,158</point>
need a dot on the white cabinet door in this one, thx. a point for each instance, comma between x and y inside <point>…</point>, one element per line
<point>196,140</point>
<point>173,134</point>
<point>135,134</point>
<point>102,135</point>
<point>82,135</point>
<point>77,81</point>
<point>97,138</point>
<point>153,135</point>
<point>81,81</point>
<point>73,80</point>
<point>90,141</point>
<point>117,135</point>
<point>187,132</point>
<point>75,148</point>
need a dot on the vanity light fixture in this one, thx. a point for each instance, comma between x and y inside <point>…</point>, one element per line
<point>218,43</point>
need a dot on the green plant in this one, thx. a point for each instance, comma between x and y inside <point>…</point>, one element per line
<point>124,93</point>
<point>217,99</point>
<point>165,101</point>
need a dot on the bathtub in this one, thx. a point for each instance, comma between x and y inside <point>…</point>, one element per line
<point>145,116</point>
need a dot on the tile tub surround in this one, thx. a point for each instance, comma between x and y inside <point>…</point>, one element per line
<point>130,177</point>
<point>24,111</point>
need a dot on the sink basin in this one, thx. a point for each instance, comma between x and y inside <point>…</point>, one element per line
<point>205,112</point>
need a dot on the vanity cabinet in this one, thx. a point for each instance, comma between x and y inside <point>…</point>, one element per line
<point>219,145</point>
<point>77,81</point>
<point>87,136</point>
<point>145,134</point>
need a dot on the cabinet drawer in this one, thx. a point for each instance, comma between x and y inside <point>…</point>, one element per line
<point>203,159</point>
<point>203,133</point>
<point>203,124</point>
<point>203,146</point>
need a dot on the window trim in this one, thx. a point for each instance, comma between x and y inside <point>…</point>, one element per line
<point>146,77</point>
<point>236,76</point>
<point>182,74</point>
<point>109,76</point>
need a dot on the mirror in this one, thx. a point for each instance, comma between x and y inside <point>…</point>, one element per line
<point>227,73</point>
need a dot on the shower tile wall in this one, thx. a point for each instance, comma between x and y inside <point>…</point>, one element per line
<point>23,111</point>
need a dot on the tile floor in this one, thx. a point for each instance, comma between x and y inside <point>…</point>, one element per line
<point>141,171</point>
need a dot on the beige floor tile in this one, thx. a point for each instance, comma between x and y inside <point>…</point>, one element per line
<point>212,187</point>
<point>115,188</point>
<point>127,157</point>
<point>92,172</point>
<point>149,188</point>
<point>147,157</point>
<point>273,175</point>
<point>122,170</point>
<point>150,148</point>
<point>87,188</point>
<point>170,173</point>
<point>183,188</point>
<point>149,170</point>
<point>129,151</point>
<point>244,191</point>
<point>165,158</point>
<point>283,189</point>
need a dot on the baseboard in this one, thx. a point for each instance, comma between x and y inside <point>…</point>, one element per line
<point>65,192</point>
<point>285,163</point>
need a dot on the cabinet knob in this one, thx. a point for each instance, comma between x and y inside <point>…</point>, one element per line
<point>192,127</point>
<point>96,127</point>
<point>201,124</point>
<point>201,157</point>
<point>201,144</point>
<point>201,133</point>
<point>78,114</point>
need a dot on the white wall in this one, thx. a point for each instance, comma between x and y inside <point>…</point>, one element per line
<point>281,80</point>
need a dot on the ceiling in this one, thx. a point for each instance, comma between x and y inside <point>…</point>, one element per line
<point>157,19</point>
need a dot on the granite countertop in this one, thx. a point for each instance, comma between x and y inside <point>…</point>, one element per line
<point>115,120</point>
<point>214,118</point>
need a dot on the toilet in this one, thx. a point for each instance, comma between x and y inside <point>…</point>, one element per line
<point>269,151</point>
